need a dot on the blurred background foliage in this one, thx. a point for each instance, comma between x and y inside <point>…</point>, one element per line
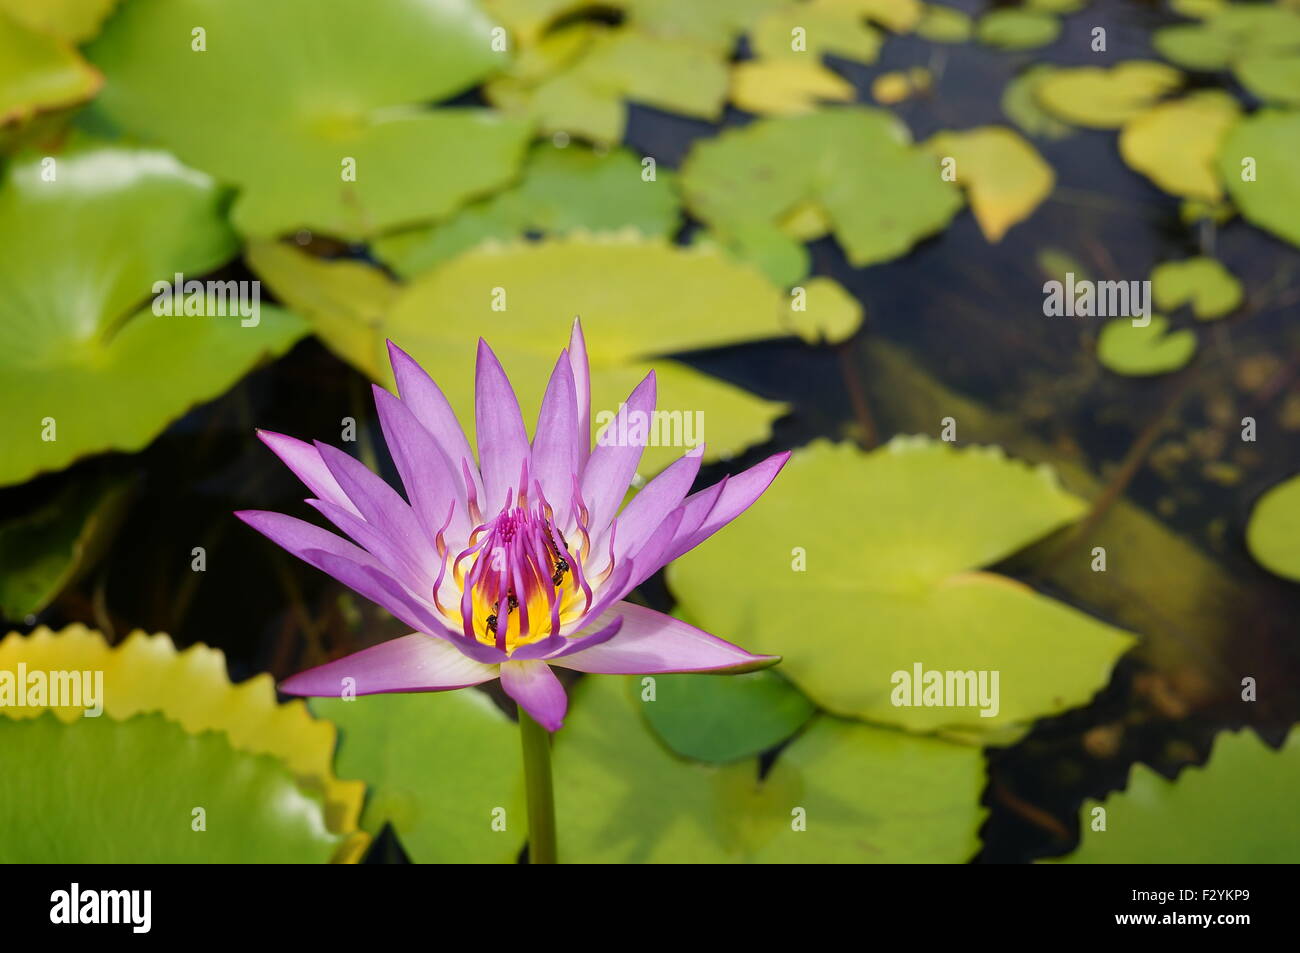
<point>749,196</point>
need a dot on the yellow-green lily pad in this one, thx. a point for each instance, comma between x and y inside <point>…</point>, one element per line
<point>1203,282</point>
<point>781,87</point>
<point>345,144</point>
<point>1237,31</point>
<point>1004,176</point>
<point>1017,28</point>
<point>1260,164</point>
<point>944,24</point>
<point>1273,534</point>
<point>1144,350</point>
<point>834,28</point>
<point>1273,77</point>
<point>1020,103</point>
<point>85,364</point>
<point>860,566</point>
<point>39,72</point>
<point>1176,144</point>
<point>1103,98</point>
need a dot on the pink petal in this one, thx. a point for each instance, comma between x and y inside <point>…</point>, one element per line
<point>534,686</point>
<point>732,498</point>
<point>304,460</point>
<point>558,447</point>
<point>610,470</point>
<point>652,643</point>
<point>582,388</point>
<point>652,505</point>
<point>502,441</point>
<point>413,663</point>
<point>431,408</point>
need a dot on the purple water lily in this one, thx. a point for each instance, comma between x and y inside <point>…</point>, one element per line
<point>515,565</point>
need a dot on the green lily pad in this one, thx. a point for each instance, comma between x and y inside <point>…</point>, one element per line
<point>763,172</point>
<point>617,285</point>
<point>334,102</point>
<point>39,72</point>
<point>1272,77</point>
<point>1205,283</point>
<point>943,24</point>
<point>723,718</point>
<point>834,28</point>
<point>84,368</point>
<point>1141,351</point>
<point>1061,7</point>
<point>1004,176</point>
<point>1241,804</point>
<point>1020,103</point>
<point>1103,98</point>
<point>73,20</point>
<point>1261,167</point>
<point>102,791</point>
<point>443,768</point>
<point>1235,32</point>
<point>1273,534</point>
<point>860,566</point>
<point>781,257</point>
<point>865,795</point>
<point>1017,28</point>
<point>46,549</point>
<point>562,190</point>
<point>1176,144</point>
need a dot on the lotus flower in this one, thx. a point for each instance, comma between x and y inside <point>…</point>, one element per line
<point>515,565</point>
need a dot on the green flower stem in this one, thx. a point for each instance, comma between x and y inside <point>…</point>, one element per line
<point>537,783</point>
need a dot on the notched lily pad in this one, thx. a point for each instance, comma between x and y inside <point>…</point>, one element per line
<point>1204,283</point>
<point>1144,350</point>
<point>1102,98</point>
<point>1176,144</point>
<point>1273,534</point>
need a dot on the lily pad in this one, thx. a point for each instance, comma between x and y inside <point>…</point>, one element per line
<point>1176,144</point>
<point>863,565</point>
<point>1004,176</point>
<point>723,718</point>
<point>562,190</point>
<point>1144,350</point>
<point>764,172</point>
<point>443,768</point>
<point>1017,28</point>
<point>1231,34</point>
<point>1205,283</point>
<point>1102,98</point>
<point>943,24</point>
<point>345,146</point>
<point>84,368</point>
<point>898,85</point>
<point>145,674</point>
<point>1273,534</point>
<point>73,20</point>
<point>637,297</point>
<point>39,72</point>
<point>48,548</point>
<point>780,87</point>
<point>1241,804</point>
<point>1260,164</point>
<point>835,28</point>
<point>1020,103</point>
<point>102,791</point>
<point>1272,77</point>
<point>862,794</point>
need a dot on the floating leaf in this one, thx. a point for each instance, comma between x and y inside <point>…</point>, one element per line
<point>891,540</point>
<point>110,223</point>
<point>786,87</point>
<point>1241,804</point>
<point>47,549</point>
<point>764,172</point>
<point>942,24</point>
<point>725,718</point>
<point>72,20</point>
<point>619,286</point>
<point>1061,7</point>
<point>1020,103</point>
<point>343,147</point>
<point>835,28</point>
<point>441,767</point>
<point>145,674</point>
<point>1017,28</point>
<point>102,791</point>
<point>781,257</point>
<point>1273,534</point>
<point>1233,33</point>
<point>896,86</point>
<point>1203,282</point>
<point>1106,98</point>
<point>1143,350</point>
<point>1260,164</point>
<point>1272,77</point>
<point>1004,176</point>
<point>39,72</point>
<point>562,190</point>
<point>1175,144</point>
<point>866,795</point>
